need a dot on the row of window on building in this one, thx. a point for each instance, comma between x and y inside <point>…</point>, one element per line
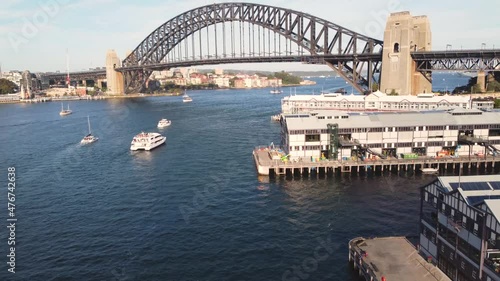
<point>401,129</point>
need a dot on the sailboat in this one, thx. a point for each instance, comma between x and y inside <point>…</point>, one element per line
<point>276,91</point>
<point>89,138</point>
<point>186,98</point>
<point>65,112</point>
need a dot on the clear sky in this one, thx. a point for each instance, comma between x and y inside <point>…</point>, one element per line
<point>35,35</point>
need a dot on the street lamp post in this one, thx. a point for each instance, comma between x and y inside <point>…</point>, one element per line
<point>448,47</point>
<point>483,46</point>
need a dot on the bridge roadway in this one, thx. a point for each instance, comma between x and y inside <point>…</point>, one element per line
<point>465,60</point>
<point>77,75</point>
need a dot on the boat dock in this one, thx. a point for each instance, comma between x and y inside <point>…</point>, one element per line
<point>272,162</point>
<point>391,258</point>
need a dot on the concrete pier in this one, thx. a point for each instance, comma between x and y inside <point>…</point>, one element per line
<point>391,258</point>
<point>274,166</point>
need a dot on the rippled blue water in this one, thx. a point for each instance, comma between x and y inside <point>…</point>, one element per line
<point>193,209</point>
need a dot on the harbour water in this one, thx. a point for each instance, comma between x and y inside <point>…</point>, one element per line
<point>193,209</point>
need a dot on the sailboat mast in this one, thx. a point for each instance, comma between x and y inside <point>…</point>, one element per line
<point>88,119</point>
<point>67,69</point>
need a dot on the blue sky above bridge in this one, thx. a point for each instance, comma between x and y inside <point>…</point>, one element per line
<point>34,35</point>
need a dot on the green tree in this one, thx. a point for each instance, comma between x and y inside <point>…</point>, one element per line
<point>231,81</point>
<point>497,103</point>
<point>393,93</point>
<point>269,76</point>
<point>287,79</point>
<point>493,86</point>
<point>476,88</point>
<point>7,86</point>
<point>375,87</point>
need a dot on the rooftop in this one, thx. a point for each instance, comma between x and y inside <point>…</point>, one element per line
<point>424,97</point>
<point>476,190</point>
<point>320,119</point>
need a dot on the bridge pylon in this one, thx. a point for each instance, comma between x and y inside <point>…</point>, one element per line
<point>114,78</point>
<point>404,34</point>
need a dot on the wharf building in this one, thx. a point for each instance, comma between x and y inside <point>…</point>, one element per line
<point>337,135</point>
<point>378,101</point>
<point>460,226</point>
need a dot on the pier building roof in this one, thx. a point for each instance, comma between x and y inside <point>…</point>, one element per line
<point>381,97</point>
<point>320,119</point>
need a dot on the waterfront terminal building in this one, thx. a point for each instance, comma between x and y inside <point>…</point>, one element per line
<point>378,101</point>
<point>337,135</point>
<point>460,226</point>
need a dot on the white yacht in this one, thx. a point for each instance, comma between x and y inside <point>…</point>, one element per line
<point>163,123</point>
<point>89,138</point>
<point>65,112</point>
<point>276,117</point>
<point>147,141</point>
<point>186,98</point>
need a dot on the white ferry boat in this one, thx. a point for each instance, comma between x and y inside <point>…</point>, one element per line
<point>65,112</point>
<point>163,123</point>
<point>89,138</point>
<point>147,141</point>
<point>186,98</point>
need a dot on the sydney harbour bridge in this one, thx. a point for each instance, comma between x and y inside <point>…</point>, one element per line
<point>228,33</point>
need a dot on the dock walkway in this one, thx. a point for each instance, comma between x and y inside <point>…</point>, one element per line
<point>391,258</point>
<point>305,167</point>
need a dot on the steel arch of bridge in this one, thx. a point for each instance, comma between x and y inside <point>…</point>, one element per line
<point>345,51</point>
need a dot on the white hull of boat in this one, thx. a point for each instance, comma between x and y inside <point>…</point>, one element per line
<point>429,170</point>
<point>276,118</point>
<point>89,140</point>
<point>147,146</point>
<point>164,123</point>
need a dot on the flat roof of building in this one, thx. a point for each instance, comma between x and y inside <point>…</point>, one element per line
<point>395,258</point>
<point>320,119</point>
<point>424,97</point>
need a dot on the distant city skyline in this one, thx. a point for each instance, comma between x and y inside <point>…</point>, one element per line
<point>35,36</point>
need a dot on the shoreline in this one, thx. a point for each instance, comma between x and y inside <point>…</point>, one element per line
<point>495,95</point>
<point>91,99</point>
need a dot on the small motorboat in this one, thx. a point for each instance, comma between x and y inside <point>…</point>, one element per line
<point>163,123</point>
<point>430,170</point>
